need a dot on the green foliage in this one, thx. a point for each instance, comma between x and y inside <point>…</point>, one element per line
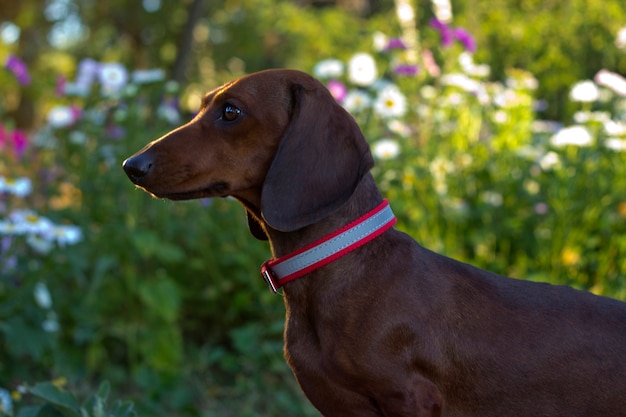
<point>478,178</point>
<point>559,42</point>
<point>60,403</point>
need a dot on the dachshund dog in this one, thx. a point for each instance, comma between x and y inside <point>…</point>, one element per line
<point>383,326</point>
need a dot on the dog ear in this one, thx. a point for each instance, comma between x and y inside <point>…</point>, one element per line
<point>319,162</point>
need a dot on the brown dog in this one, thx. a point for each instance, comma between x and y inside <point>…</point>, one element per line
<point>384,327</point>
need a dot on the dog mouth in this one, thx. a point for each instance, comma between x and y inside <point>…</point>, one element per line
<point>217,189</point>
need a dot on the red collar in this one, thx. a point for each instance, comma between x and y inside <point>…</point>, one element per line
<point>277,272</point>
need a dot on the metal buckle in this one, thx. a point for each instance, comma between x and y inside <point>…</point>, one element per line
<point>269,278</point>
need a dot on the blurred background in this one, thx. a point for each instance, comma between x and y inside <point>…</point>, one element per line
<point>499,130</point>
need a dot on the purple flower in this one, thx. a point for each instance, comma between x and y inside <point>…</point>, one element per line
<point>19,69</point>
<point>338,90</point>
<point>114,131</point>
<point>447,35</point>
<point>466,39</point>
<point>395,43</point>
<point>406,69</point>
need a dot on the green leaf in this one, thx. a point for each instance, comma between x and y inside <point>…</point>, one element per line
<point>49,411</point>
<point>123,409</point>
<point>29,411</point>
<point>149,244</point>
<point>63,399</point>
<point>162,297</point>
<point>104,390</point>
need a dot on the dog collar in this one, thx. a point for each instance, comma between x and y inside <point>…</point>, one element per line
<point>279,271</point>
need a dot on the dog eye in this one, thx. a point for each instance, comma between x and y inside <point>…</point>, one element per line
<point>230,113</point>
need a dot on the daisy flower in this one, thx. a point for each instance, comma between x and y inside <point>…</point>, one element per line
<point>386,149</point>
<point>63,116</point>
<point>616,144</point>
<point>113,77</point>
<point>356,101</point>
<point>390,102</point>
<point>20,187</point>
<point>362,69</point>
<point>575,135</point>
<point>584,91</point>
<point>328,68</point>
<point>613,81</point>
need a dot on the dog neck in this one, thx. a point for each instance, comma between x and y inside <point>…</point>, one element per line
<point>354,224</point>
<point>365,198</point>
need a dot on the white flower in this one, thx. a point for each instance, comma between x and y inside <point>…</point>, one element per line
<point>356,101</point>
<point>379,41</point>
<point>6,402</point>
<point>492,198</point>
<point>584,91</point>
<point>549,160</point>
<point>8,228</point>
<point>362,69</point>
<point>575,135</point>
<point>51,323</point>
<point>62,116</point>
<point>148,76</point>
<point>168,113</point>
<point>405,12</point>
<point>113,77</point>
<point>28,222</point>
<point>462,81</point>
<point>545,126</point>
<point>386,149</point>
<point>611,80</point>
<point>20,187</point>
<point>467,63</point>
<point>500,117</point>
<point>615,144</point>
<point>399,127</point>
<point>439,169</point>
<point>508,98</point>
<point>620,40</point>
<point>328,68</point>
<point>67,234</point>
<point>40,243</point>
<point>592,116</point>
<point>613,128</point>
<point>42,295</point>
<point>390,102</point>
<point>428,92</point>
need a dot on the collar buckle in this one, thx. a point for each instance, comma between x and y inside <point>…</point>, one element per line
<point>269,277</point>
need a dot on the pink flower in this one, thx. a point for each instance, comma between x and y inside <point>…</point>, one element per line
<point>17,139</point>
<point>59,88</point>
<point>19,69</point>
<point>20,142</point>
<point>338,90</point>
<point>430,64</point>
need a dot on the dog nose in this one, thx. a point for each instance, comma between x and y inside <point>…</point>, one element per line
<point>137,166</point>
